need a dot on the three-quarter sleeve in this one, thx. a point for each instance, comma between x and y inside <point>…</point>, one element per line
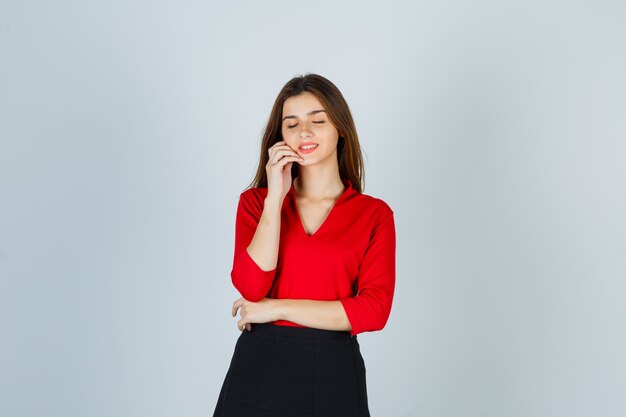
<point>369,310</point>
<point>249,279</point>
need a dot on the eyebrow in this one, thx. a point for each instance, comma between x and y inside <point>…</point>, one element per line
<point>308,114</point>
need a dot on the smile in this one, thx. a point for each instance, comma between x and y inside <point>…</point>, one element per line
<point>308,148</point>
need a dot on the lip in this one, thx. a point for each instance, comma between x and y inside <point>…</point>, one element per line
<point>305,151</point>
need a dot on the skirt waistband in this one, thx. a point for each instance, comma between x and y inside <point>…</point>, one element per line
<point>307,332</point>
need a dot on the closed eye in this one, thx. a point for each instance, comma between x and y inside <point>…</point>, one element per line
<point>292,126</point>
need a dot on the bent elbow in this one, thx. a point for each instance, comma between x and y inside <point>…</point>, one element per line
<point>248,292</point>
<point>378,322</point>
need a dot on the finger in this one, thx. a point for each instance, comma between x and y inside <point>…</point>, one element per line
<point>249,326</point>
<point>275,146</point>
<point>290,147</point>
<point>282,145</point>
<point>236,305</point>
<point>287,164</point>
<point>241,324</point>
<point>281,153</point>
<point>287,159</point>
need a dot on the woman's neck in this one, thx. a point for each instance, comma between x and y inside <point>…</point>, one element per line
<point>318,189</point>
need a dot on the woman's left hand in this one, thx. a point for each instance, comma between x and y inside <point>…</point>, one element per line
<point>262,311</point>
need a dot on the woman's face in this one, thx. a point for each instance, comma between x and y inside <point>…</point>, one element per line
<point>305,122</point>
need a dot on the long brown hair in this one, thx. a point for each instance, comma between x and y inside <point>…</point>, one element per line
<point>349,157</point>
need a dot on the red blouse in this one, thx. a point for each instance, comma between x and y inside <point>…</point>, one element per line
<point>351,257</point>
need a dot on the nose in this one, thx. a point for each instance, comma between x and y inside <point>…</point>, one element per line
<point>305,132</point>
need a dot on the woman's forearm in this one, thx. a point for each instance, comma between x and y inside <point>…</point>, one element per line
<point>328,315</point>
<point>263,248</point>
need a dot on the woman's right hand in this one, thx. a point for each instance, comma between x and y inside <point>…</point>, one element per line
<point>278,169</point>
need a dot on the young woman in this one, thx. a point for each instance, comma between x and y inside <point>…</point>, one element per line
<point>314,261</point>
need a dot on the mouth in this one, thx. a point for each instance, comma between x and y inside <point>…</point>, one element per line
<point>308,147</point>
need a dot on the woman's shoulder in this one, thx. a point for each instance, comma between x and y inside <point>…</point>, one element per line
<point>253,199</point>
<point>254,192</point>
<point>374,206</point>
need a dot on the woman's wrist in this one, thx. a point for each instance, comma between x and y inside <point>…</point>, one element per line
<point>280,306</point>
<point>272,202</point>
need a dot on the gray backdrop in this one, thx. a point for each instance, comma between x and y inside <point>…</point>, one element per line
<point>495,130</point>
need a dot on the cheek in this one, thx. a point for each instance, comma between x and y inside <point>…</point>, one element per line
<point>288,133</point>
<point>289,140</point>
<point>330,131</point>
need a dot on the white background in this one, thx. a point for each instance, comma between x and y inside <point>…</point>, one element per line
<point>495,130</point>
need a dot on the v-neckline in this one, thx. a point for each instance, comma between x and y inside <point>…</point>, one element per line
<point>347,184</point>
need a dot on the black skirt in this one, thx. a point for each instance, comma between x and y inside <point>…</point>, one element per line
<point>287,371</point>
